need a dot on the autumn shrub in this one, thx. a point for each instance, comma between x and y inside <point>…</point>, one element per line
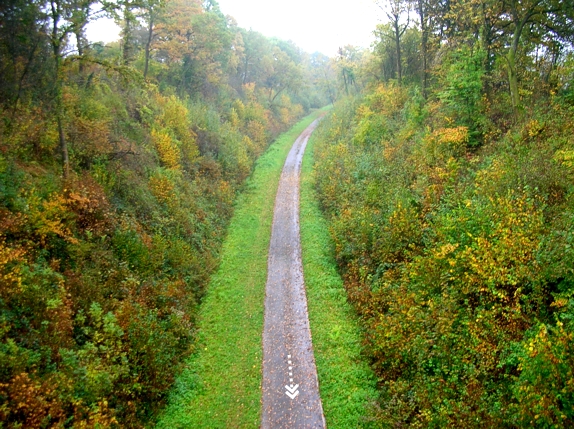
<point>457,259</point>
<point>102,272</point>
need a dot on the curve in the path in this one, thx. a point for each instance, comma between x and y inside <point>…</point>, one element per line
<point>290,387</point>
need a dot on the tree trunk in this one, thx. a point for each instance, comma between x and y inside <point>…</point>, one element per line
<point>424,47</point>
<point>63,147</point>
<point>56,42</point>
<point>512,79</point>
<point>128,43</point>
<point>80,45</point>
<point>511,66</point>
<point>424,42</point>
<point>398,48</point>
<point>148,44</point>
<point>60,119</point>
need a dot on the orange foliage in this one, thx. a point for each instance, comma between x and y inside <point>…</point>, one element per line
<point>36,403</point>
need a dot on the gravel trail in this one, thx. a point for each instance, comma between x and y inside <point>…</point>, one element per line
<point>290,387</point>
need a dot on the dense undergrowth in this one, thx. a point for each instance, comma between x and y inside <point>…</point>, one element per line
<point>115,194</point>
<point>346,383</point>
<point>102,273</point>
<point>457,253</point>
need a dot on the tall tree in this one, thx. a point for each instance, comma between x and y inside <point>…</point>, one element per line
<point>348,62</point>
<point>395,11</point>
<point>422,8</point>
<point>23,50</point>
<point>125,14</point>
<point>150,11</point>
<point>60,13</point>
<point>282,74</point>
<point>81,13</point>
<point>256,46</point>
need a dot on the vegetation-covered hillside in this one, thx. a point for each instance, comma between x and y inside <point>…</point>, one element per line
<point>448,182</point>
<point>119,165</point>
<point>446,175</point>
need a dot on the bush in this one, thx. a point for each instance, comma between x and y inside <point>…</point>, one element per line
<point>457,259</point>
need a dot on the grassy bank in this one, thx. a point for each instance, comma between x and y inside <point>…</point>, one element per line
<point>347,385</point>
<point>220,387</point>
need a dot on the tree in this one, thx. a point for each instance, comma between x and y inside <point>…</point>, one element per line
<point>256,46</point>
<point>81,14</point>
<point>23,51</point>
<point>462,88</point>
<point>422,9</point>
<point>283,74</point>
<point>60,13</point>
<point>550,16</point>
<point>150,11</point>
<point>323,74</point>
<point>395,10</point>
<point>124,13</point>
<point>346,70</point>
<point>385,53</point>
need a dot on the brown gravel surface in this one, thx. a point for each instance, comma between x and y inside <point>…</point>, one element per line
<point>288,361</point>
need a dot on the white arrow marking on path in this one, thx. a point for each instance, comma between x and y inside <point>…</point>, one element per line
<point>292,391</point>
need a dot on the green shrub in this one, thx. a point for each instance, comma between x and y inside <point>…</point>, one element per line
<point>458,259</point>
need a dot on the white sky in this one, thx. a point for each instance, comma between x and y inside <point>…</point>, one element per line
<point>314,25</point>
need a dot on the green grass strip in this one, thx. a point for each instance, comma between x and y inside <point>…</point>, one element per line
<point>221,385</point>
<point>347,384</point>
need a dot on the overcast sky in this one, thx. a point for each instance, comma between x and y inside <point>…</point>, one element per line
<point>314,25</point>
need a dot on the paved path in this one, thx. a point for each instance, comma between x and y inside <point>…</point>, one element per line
<point>290,388</point>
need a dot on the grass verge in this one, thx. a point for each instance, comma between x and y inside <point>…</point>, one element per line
<point>347,384</point>
<point>221,385</point>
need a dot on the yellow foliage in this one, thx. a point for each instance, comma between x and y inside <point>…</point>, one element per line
<point>388,99</point>
<point>30,128</point>
<point>256,132</point>
<point>91,137</point>
<point>249,91</point>
<point>163,189</point>
<point>364,112</point>
<point>341,150</point>
<point>234,120</point>
<point>389,151</point>
<point>249,145</point>
<point>487,176</point>
<point>225,192</point>
<point>168,152</point>
<point>565,157</point>
<point>10,271</point>
<point>440,147</point>
<point>239,108</point>
<point>452,136</point>
<point>534,128</point>
<point>174,118</point>
<point>50,216</point>
<point>507,255</point>
<point>285,115</point>
<point>445,250</point>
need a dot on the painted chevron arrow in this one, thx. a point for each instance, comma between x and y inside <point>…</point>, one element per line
<point>292,391</point>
